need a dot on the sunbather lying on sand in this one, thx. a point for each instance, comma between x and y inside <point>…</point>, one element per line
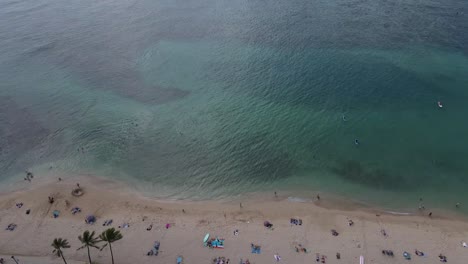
<point>125,225</point>
<point>244,261</point>
<point>419,253</point>
<point>383,232</point>
<point>388,252</point>
<point>442,258</point>
<point>11,227</point>
<point>334,232</point>
<point>75,210</point>
<point>295,221</point>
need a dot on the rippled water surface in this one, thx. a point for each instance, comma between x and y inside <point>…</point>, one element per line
<point>208,99</point>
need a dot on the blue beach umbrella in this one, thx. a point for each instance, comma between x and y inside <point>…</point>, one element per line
<point>90,219</point>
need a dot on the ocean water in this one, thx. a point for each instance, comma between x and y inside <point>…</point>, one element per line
<point>212,99</point>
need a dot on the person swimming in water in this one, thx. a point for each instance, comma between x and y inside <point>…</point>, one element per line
<point>356,142</point>
<point>344,118</point>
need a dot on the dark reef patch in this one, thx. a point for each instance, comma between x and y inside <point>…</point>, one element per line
<point>355,172</point>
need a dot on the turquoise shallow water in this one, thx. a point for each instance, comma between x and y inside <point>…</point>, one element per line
<point>211,99</point>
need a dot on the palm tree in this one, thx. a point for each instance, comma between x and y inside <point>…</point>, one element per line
<point>110,236</point>
<point>16,261</point>
<point>88,240</point>
<point>58,244</point>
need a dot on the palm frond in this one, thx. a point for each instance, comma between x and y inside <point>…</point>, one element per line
<point>80,248</point>
<point>105,245</point>
<point>110,235</point>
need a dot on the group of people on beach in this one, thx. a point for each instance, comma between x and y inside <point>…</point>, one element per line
<point>29,176</point>
<point>254,247</point>
<point>221,260</point>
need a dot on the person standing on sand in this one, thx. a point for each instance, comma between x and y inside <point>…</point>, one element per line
<point>430,214</point>
<point>78,185</point>
<point>240,205</point>
<point>276,195</point>
<point>318,197</point>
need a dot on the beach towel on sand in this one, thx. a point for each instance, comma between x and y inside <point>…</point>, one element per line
<point>256,249</point>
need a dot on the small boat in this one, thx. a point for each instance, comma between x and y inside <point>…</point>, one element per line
<point>439,104</point>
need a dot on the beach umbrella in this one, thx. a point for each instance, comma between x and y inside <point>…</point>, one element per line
<point>90,219</point>
<point>56,213</point>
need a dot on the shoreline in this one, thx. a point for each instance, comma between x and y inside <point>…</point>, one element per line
<point>191,220</point>
<point>332,201</point>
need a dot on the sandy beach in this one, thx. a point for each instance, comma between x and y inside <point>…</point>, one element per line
<point>190,221</point>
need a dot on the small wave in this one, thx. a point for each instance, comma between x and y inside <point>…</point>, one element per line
<point>38,48</point>
<point>397,213</point>
<point>298,200</point>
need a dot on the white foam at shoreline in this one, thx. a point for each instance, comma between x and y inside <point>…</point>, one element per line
<point>397,213</point>
<point>298,199</point>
